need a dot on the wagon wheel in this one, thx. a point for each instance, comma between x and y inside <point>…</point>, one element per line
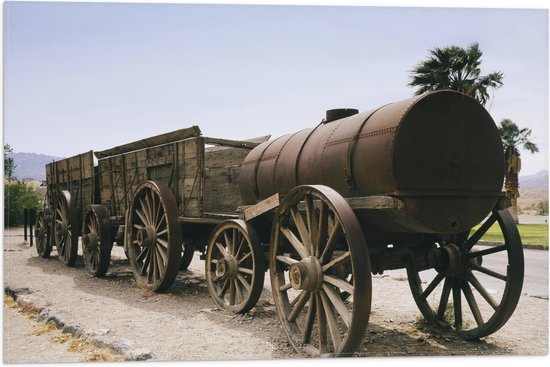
<point>463,267</point>
<point>65,233</point>
<point>42,233</point>
<point>154,236</point>
<point>96,240</point>
<point>315,253</point>
<point>234,266</point>
<point>187,256</point>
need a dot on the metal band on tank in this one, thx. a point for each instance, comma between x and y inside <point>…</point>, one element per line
<point>282,148</point>
<point>255,182</point>
<point>348,170</point>
<point>301,149</point>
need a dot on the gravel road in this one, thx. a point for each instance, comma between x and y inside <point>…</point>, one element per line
<point>184,325</point>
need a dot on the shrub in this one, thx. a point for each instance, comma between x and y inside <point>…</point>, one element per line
<point>17,196</point>
<point>542,208</point>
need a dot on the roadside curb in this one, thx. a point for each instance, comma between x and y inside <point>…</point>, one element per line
<point>525,246</point>
<point>125,347</point>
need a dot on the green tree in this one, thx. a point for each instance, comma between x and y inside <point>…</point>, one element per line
<point>514,138</point>
<point>17,196</point>
<point>9,165</point>
<point>455,68</point>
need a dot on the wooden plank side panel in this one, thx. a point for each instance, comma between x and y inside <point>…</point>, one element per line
<point>191,168</point>
<point>222,167</point>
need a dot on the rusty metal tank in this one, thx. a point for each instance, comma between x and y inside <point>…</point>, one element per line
<point>440,153</point>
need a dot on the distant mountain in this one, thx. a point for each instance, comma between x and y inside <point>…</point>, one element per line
<point>538,180</point>
<point>534,186</point>
<point>31,165</point>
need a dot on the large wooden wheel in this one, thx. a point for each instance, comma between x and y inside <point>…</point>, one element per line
<point>490,285</point>
<point>153,236</point>
<point>42,233</point>
<point>96,240</point>
<point>318,252</point>
<point>234,266</point>
<point>65,232</point>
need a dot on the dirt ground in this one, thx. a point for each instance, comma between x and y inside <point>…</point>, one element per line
<point>183,324</point>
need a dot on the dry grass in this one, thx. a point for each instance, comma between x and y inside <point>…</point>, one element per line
<point>10,302</point>
<point>91,352</point>
<point>43,328</point>
<point>87,348</point>
<point>60,339</point>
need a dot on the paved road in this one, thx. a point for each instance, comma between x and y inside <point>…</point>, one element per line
<point>535,282</point>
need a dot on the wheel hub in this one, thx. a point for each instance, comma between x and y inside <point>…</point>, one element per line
<point>226,268</point>
<point>451,259</point>
<point>146,236</point>
<point>306,274</point>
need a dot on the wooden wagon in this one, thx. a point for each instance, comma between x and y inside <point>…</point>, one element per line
<point>407,185</point>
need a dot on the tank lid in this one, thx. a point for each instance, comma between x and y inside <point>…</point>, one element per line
<point>340,113</point>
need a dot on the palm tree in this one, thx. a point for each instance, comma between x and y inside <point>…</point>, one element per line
<point>455,68</point>
<point>512,138</point>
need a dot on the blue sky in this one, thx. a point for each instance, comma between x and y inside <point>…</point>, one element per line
<point>83,76</point>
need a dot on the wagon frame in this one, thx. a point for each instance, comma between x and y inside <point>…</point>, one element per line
<point>165,197</point>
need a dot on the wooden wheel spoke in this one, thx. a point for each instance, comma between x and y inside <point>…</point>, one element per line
<point>146,262</point>
<point>221,249</point>
<point>158,210</point>
<point>338,261</point>
<point>162,242</point>
<point>287,260</point>
<point>163,232</point>
<point>298,246</point>
<point>331,321</point>
<point>245,270</point>
<point>241,243</point>
<point>310,319</point>
<point>285,287</point>
<point>142,217</point>
<point>312,224</point>
<point>223,289</point>
<point>163,251</point>
<point>489,272</point>
<point>482,291</point>
<point>339,283</point>
<point>297,305</point>
<point>234,241</point>
<point>321,324</point>
<point>161,221</point>
<point>472,303</point>
<point>305,236</point>
<point>145,211</point>
<point>457,304</point>
<point>435,282</point>
<point>488,251</point>
<point>244,282</point>
<point>149,210</point>
<point>338,304</point>
<point>244,258</point>
<point>228,243</point>
<point>231,292</point>
<point>444,299</point>
<point>322,232</point>
<point>481,231</point>
<point>334,235</point>
<point>238,291</point>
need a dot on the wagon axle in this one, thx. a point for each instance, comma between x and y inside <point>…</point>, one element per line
<point>452,259</point>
